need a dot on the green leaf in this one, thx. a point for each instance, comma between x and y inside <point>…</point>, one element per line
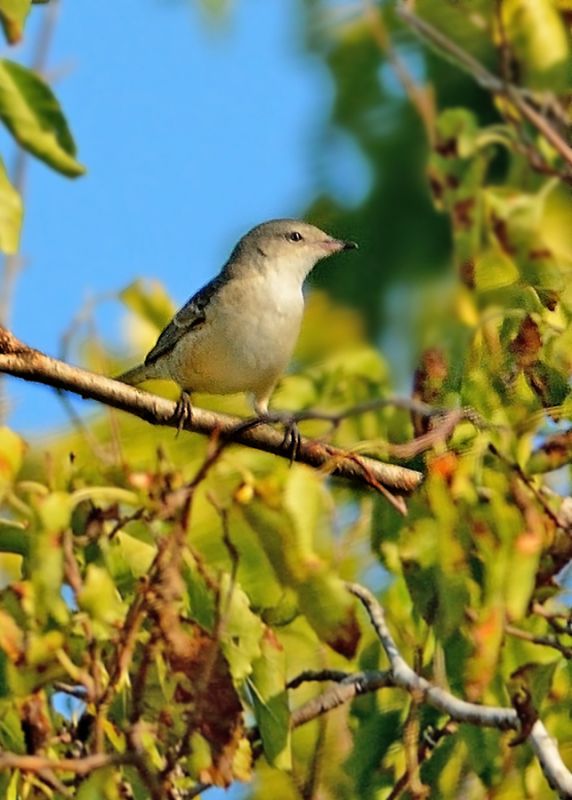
<point>375,735</point>
<point>10,214</point>
<point>14,539</point>
<point>46,566</point>
<point>330,610</point>
<point>13,15</point>
<point>494,269</point>
<point>11,453</point>
<point>271,702</point>
<point>322,596</point>
<point>242,631</point>
<point>150,301</point>
<point>101,785</point>
<point>537,36</point>
<point>31,113</point>
<point>458,131</point>
<point>536,679</point>
<point>12,792</point>
<point>55,511</point>
<point>100,599</point>
<point>483,750</point>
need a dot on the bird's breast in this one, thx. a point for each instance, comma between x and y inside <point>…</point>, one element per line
<point>246,341</point>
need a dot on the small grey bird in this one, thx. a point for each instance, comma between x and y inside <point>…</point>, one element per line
<point>237,333</point>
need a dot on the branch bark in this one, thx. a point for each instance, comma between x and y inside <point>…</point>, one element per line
<point>16,358</point>
<point>349,686</point>
<point>401,674</point>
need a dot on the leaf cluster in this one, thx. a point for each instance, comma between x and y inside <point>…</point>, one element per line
<point>161,596</point>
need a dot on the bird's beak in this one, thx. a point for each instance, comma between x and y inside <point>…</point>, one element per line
<point>337,245</point>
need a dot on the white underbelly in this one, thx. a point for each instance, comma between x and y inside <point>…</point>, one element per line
<point>238,351</point>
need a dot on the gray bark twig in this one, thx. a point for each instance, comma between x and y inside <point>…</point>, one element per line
<point>401,674</point>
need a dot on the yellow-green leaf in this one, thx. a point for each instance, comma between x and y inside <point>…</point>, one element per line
<point>10,214</point>
<point>271,702</point>
<point>537,35</point>
<point>100,598</point>
<point>30,111</point>
<point>11,452</point>
<point>13,15</point>
<point>150,301</point>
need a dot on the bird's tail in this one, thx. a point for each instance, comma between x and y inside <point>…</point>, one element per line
<point>143,372</point>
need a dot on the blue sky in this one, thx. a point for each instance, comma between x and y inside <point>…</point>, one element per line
<point>191,133</point>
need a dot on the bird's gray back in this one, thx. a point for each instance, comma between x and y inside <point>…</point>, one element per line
<point>189,317</point>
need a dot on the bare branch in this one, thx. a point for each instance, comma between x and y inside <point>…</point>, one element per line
<point>543,641</point>
<point>341,693</point>
<point>79,766</point>
<point>421,97</point>
<point>401,674</point>
<point>317,676</point>
<point>18,359</point>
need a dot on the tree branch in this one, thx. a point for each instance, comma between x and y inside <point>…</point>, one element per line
<point>520,98</point>
<point>79,766</point>
<point>401,674</point>
<point>22,361</point>
<point>340,693</point>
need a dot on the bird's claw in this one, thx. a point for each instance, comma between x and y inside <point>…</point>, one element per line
<point>183,411</point>
<point>292,438</point>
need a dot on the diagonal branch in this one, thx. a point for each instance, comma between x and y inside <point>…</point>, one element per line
<point>22,361</point>
<point>401,674</point>
<point>520,98</point>
<point>79,766</point>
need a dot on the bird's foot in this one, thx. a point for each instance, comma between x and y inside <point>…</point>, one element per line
<point>183,411</point>
<point>292,437</point>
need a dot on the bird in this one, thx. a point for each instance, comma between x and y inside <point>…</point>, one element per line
<point>238,333</point>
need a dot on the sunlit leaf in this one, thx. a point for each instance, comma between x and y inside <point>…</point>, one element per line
<point>10,214</point>
<point>150,301</point>
<point>33,116</point>
<point>11,454</point>
<point>13,15</point>
<point>271,702</point>
<point>537,34</point>
<point>99,598</point>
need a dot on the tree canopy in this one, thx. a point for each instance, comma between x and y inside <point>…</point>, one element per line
<point>388,616</point>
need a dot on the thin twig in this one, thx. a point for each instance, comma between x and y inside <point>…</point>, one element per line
<point>428,743</point>
<point>311,675</point>
<point>544,641</point>
<point>421,97</point>
<point>79,766</point>
<point>341,693</point>
<point>528,482</point>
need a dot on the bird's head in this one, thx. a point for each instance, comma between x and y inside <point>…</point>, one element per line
<point>286,246</point>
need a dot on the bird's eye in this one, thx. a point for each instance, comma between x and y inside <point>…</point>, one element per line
<point>294,236</point>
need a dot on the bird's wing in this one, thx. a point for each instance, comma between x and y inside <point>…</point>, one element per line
<point>189,317</point>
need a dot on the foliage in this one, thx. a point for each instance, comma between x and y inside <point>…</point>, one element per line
<point>173,589</point>
<point>32,115</point>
